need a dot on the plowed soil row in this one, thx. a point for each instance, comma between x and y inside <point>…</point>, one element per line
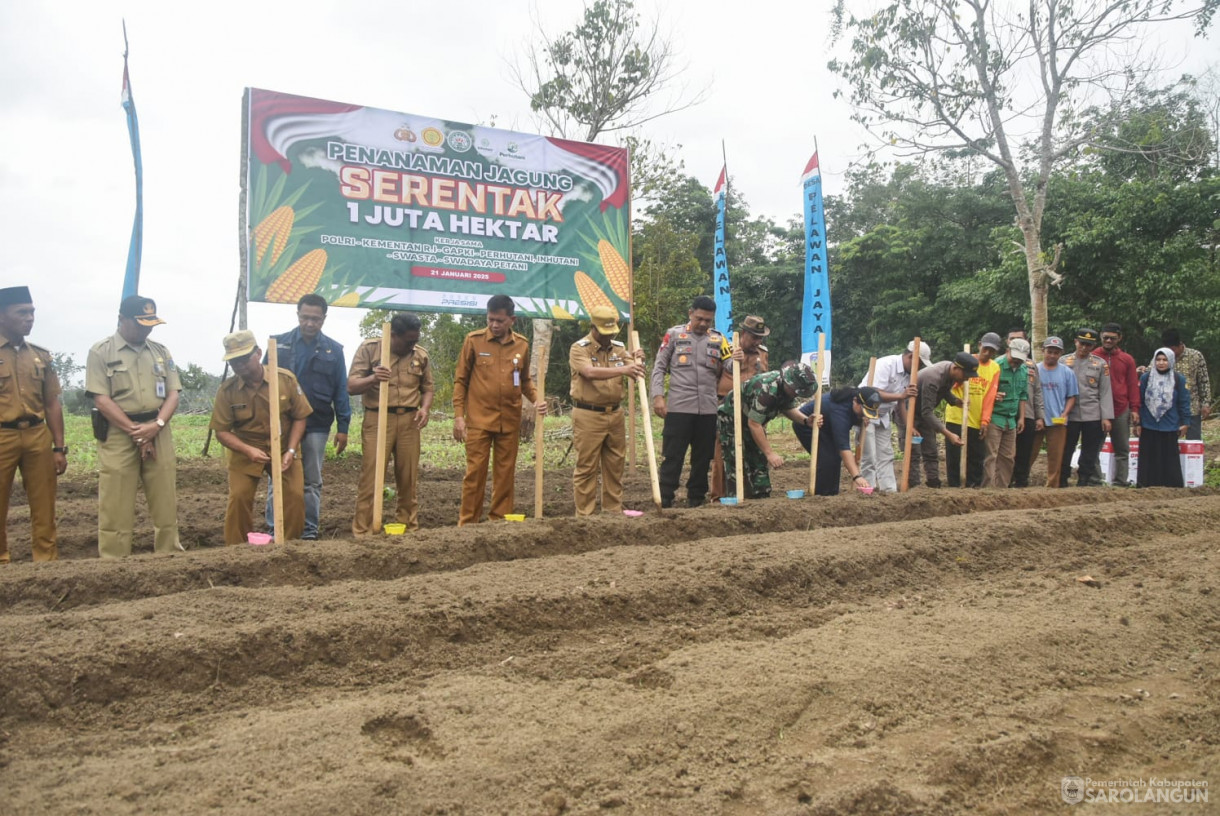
<point>926,653</point>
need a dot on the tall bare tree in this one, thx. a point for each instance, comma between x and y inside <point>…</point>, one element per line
<point>1003,80</point>
<point>600,77</point>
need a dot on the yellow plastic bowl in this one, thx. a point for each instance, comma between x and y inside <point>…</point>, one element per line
<point>514,516</point>
<point>394,529</point>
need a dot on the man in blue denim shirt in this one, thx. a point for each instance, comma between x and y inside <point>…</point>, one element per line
<point>318,363</point>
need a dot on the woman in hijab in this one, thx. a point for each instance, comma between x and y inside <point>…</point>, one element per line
<point>1164,417</point>
<point>842,409</point>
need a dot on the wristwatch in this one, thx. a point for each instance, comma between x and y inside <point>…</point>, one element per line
<point>293,451</point>
<point>63,450</point>
<point>160,422</point>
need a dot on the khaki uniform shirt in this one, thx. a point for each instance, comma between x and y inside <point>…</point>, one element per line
<point>245,411</point>
<point>410,375</point>
<point>491,377</point>
<point>602,393</point>
<point>1095,401</point>
<point>755,363</point>
<point>27,381</point>
<point>694,363</point>
<point>138,379</point>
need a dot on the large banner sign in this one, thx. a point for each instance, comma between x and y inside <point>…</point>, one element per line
<point>373,208</point>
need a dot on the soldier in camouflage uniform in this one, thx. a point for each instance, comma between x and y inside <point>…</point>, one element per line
<point>764,397</point>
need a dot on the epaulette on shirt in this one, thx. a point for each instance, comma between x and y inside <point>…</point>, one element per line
<point>584,341</point>
<point>37,347</point>
<point>619,343</point>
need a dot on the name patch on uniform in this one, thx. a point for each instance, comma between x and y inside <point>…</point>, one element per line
<point>484,353</point>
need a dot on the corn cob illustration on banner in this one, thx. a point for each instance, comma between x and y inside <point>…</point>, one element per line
<point>420,213</point>
<point>299,279</point>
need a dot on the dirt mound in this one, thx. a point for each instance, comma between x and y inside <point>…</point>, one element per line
<point>932,652</point>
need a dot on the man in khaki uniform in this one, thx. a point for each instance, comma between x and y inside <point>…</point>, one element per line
<point>241,418</point>
<point>598,364</point>
<point>31,424</point>
<point>134,385</point>
<point>408,405</point>
<point>754,361</point>
<point>493,373</point>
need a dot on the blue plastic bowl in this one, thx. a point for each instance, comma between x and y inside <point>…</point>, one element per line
<point>729,500</point>
<point>796,494</point>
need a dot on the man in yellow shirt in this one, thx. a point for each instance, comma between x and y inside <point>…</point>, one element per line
<point>982,397</point>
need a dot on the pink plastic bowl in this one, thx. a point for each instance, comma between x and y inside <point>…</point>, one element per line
<point>258,539</point>
<point>633,513</point>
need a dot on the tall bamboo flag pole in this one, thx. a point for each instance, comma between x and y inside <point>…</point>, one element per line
<point>817,414</point>
<point>272,373</point>
<point>383,397</point>
<point>866,426</point>
<point>739,467</point>
<point>965,423</point>
<point>631,429</point>
<point>539,442</point>
<point>646,421</point>
<point>911,401</point>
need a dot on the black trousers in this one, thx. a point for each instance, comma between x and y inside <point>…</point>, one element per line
<point>1090,436</point>
<point>681,431</point>
<point>976,456</point>
<point>1025,455</point>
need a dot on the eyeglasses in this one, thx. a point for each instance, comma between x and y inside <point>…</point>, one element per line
<point>1106,337</point>
<point>311,319</point>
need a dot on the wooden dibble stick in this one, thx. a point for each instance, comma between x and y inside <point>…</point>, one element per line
<point>965,423</point>
<point>906,453</point>
<point>739,469</point>
<point>866,426</point>
<point>539,441</point>
<point>383,396</point>
<point>277,475</point>
<point>642,384</point>
<point>817,415</point>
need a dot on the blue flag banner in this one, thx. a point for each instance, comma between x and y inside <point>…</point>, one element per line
<point>131,280</point>
<point>720,264</point>
<point>815,312</point>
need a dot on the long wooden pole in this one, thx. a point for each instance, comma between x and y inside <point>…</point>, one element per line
<point>739,466</point>
<point>272,373</point>
<point>867,425</point>
<point>911,401</point>
<point>539,441</point>
<point>646,421</point>
<point>383,397</point>
<point>817,414</point>
<point>965,424</point>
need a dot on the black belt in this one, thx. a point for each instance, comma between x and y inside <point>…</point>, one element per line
<point>601,409</point>
<point>21,424</point>
<point>402,409</point>
<point>147,416</point>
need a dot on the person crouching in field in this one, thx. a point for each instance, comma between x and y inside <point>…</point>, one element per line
<point>1164,417</point>
<point>241,418</point>
<point>842,410</point>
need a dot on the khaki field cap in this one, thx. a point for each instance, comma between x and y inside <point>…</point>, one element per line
<point>755,325</point>
<point>239,344</point>
<point>605,319</point>
<point>140,309</point>
<point>1018,349</point>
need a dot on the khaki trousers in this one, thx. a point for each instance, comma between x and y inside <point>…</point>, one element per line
<point>600,440</point>
<point>479,444</point>
<point>239,515</point>
<point>1056,441</point>
<point>30,452</point>
<point>401,445</point>
<point>121,471</point>
<point>1001,456</point>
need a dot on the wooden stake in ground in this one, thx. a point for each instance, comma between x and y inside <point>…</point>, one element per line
<point>272,373</point>
<point>965,423</point>
<point>866,426</point>
<point>738,442</point>
<point>383,396</point>
<point>642,384</point>
<point>539,442</point>
<point>817,415</point>
<point>631,431</point>
<point>906,453</point>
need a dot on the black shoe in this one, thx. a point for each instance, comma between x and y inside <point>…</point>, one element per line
<point>694,502</point>
<point>935,484</point>
<point>667,503</point>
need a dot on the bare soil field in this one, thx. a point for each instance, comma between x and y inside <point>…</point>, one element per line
<point>926,653</point>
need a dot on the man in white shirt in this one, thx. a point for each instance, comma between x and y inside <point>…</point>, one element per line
<point>892,378</point>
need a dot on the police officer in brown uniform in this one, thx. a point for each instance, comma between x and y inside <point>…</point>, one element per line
<point>492,375</point>
<point>134,385</point>
<point>407,408</point>
<point>241,418</point>
<point>754,361</point>
<point>598,364</point>
<point>31,424</point>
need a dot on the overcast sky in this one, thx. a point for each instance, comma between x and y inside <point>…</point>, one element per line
<point>66,178</point>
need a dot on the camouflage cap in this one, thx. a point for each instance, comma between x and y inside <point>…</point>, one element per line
<point>800,378</point>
